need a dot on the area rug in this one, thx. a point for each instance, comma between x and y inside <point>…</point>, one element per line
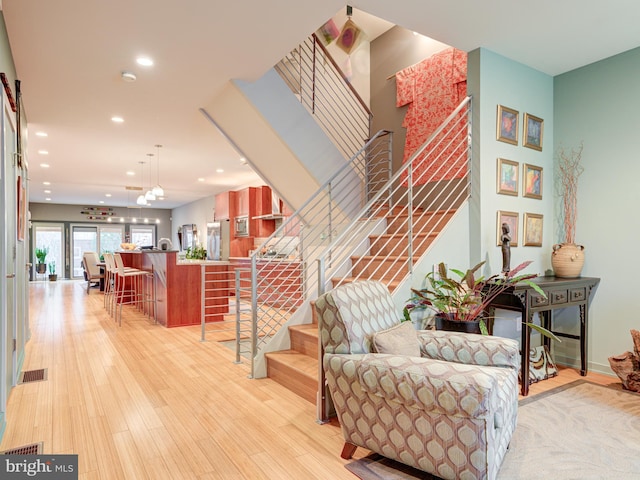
<point>578,431</point>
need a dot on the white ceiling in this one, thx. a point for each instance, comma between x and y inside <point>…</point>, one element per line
<point>69,56</point>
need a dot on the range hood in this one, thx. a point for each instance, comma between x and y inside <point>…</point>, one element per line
<point>275,211</point>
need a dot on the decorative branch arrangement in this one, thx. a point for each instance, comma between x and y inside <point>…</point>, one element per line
<point>570,169</point>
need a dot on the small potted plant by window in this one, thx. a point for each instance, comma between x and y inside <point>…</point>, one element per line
<point>53,276</point>
<point>41,255</point>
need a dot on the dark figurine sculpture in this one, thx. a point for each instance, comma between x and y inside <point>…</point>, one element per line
<point>506,248</point>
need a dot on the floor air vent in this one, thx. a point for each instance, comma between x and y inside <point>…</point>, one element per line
<point>33,376</point>
<point>33,449</point>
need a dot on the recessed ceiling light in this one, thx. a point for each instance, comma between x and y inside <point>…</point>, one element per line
<point>201,179</point>
<point>48,199</point>
<point>44,165</point>
<point>131,173</point>
<point>46,183</point>
<point>144,61</point>
<point>128,76</point>
<point>108,195</point>
<point>43,152</point>
<point>243,161</point>
<point>219,170</point>
<point>47,191</point>
<point>117,119</point>
<point>102,201</point>
<point>42,134</point>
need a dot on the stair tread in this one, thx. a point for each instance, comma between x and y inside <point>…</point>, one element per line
<point>435,233</point>
<point>296,361</point>
<point>310,328</point>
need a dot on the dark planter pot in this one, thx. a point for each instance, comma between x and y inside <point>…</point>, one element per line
<point>53,277</point>
<point>41,268</point>
<point>445,322</point>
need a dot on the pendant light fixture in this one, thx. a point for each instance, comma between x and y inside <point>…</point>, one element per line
<point>158,191</point>
<point>150,196</point>
<point>141,198</point>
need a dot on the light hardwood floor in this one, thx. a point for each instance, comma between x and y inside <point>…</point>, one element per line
<point>145,402</point>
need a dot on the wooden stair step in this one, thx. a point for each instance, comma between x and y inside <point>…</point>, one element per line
<point>304,339</point>
<point>296,371</point>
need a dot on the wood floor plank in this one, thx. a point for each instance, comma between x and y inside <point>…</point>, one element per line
<point>143,401</point>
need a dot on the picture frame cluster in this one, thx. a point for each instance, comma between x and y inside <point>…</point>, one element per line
<point>507,128</point>
<point>515,179</point>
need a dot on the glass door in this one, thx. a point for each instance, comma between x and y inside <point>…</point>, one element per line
<point>110,237</point>
<point>49,237</point>
<point>83,239</point>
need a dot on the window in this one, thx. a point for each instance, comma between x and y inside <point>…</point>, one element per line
<point>110,238</point>
<point>143,236</point>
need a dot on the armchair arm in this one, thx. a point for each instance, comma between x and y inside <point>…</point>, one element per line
<point>431,385</point>
<point>470,348</point>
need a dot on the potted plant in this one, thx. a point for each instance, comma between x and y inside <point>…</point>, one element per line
<point>464,300</point>
<point>52,272</point>
<point>196,253</point>
<point>567,257</point>
<point>41,255</point>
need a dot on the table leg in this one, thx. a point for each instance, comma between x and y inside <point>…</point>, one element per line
<point>583,339</point>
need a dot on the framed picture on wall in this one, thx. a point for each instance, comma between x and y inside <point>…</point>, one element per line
<point>507,125</point>
<point>532,181</point>
<point>507,177</point>
<point>533,129</point>
<point>511,219</point>
<point>532,230</point>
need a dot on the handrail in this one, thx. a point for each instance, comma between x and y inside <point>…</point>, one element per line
<point>344,77</point>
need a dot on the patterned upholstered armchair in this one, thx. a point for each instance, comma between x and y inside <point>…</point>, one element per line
<point>449,408</point>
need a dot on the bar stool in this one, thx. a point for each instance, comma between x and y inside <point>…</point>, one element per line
<point>140,292</point>
<point>109,280</point>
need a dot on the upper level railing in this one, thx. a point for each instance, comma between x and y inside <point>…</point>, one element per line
<point>314,77</point>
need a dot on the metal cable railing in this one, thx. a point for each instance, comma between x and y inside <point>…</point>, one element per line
<point>321,86</point>
<point>408,213</point>
<point>276,285</point>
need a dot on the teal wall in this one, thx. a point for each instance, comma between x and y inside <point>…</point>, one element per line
<point>495,80</point>
<point>598,105</point>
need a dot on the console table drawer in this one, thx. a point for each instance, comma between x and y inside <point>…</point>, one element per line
<point>536,300</point>
<point>558,296</point>
<point>577,294</point>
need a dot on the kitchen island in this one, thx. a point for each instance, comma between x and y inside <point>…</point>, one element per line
<point>180,285</point>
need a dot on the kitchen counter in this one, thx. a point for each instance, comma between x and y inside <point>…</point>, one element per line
<point>179,286</point>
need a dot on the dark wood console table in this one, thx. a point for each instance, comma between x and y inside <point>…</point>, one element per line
<point>561,293</point>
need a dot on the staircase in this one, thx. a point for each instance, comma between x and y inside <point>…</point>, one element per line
<point>297,367</point>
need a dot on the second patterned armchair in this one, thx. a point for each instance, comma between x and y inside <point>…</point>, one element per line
<point>445,403</point>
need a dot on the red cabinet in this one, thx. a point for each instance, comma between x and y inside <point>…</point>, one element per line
<point>226,206</point>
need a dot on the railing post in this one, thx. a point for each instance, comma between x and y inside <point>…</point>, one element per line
<point>313,79</point>
<point>203,278</point>
<point>238,288</point>
<point>410,219</point>
<point>254,312</point>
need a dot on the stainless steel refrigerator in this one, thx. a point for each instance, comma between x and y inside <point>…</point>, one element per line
<point>218,239</point>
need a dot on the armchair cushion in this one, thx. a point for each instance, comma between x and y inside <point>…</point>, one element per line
<point>401,339</point>
<point>470,348</point>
